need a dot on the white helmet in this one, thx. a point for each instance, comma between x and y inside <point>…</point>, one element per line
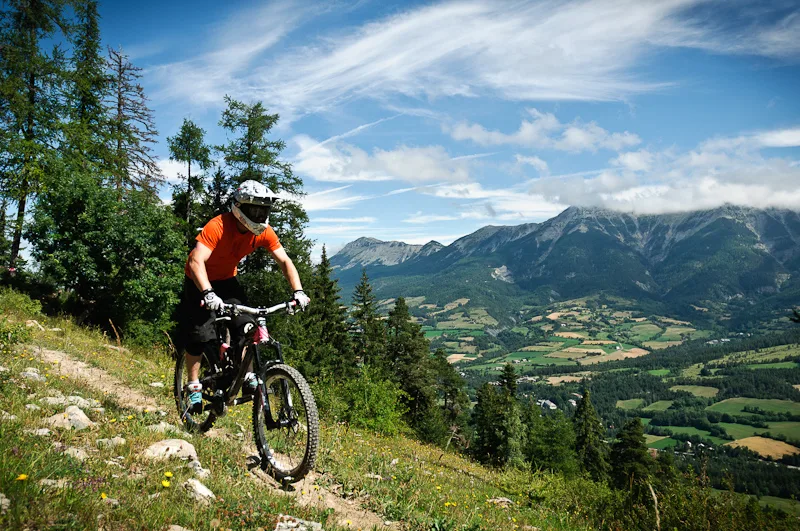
<point>252,203</point>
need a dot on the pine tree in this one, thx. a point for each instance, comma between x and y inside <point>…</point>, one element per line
<point>132,129</point>
<point>550,441</point>
<point>330,351</point>
<point>367,327</point>
<point>89,85</point>
<point>589,445</point>
<point>631,464</point>
<point>217,194</point>
<point>188,146</point>
<point>508,380</point>
<point>30,107</point>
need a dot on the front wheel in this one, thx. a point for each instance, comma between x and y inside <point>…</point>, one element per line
<point>198,422</point>
<point>286,424</point>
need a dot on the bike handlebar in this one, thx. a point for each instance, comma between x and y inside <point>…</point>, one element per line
<point>236,309</point>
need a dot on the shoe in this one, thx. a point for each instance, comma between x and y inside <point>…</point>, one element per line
<point>250,384</point>
<point>195,398</point>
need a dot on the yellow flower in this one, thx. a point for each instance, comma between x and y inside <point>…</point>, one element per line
<point>130,417</point>
<point>113,420</point>
<point>438,487</point>
<point>103,495</point>
<point>165,483</point>
<point>22,477</point>
<point>168,474</point>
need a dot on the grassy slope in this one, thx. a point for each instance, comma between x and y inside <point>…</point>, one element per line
<point>424,487</point>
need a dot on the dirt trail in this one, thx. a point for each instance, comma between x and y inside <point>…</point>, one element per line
<point>348,513</point>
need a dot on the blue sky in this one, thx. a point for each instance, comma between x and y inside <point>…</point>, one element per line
<point>418,121</point>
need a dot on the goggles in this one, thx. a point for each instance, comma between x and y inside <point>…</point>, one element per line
<point>255,213</point>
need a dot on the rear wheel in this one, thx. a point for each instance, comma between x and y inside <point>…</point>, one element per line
<point>198,422</point>
<point>286,424</point>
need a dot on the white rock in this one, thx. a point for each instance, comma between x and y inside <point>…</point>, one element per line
<point>32,369</point>
<point>41,432</point>
<point>157,384</point>
<point>98,410</point>
<point>72,417</point>
<point>113,502</point>
<point>110,443</point>
<point>198,491</point>
<point>54,483</point>
<point>4,415</point>
<point>290,523</point>
<point>505,502</point>
<point>3,369</point>
<point>32,407</point>
<point>77,453</point>
<point>5,503</point>
<point>176,528</point>
<point>114,463</point>
<point>171,448</point>
<point>35,376</point>
<point>73,400</point>
<point>162,427</point>
<point>198,470</point>
<point>30,323</point>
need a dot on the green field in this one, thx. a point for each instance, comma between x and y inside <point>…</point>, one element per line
<point>658,372</point>
<point>789,506</point>
<point>663,443</point>
<point>673,333</point>
<point>697,390</point>
<point>739,431</point>
<point>689,430</point>
<point>735,406</point>
<point>645,331</point>
<point>775,365</point>
<point>633,403</point>
<point>661,405</point>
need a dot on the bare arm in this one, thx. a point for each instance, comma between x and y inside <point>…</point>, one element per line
<point>197,264</point>
<point>288,268</point>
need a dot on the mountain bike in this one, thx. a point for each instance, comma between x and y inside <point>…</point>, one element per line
<point>285,419</point>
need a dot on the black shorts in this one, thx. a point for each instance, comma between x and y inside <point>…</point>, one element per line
<point>197,323</point>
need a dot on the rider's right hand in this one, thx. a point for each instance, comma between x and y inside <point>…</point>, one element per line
<point>212,301</point>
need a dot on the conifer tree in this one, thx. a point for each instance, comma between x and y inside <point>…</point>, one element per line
<point>89,85</point>
<point>589,445</point>
<point>330,351</point>
<point>508,380</point>
<point>188,146</point>
<point>30,107</point>
<point>550,441</point>
<point>217,194</point>
<point>451,387</point>
<point>631,464</point>
<point>368,329</point>
<point>132,129</point>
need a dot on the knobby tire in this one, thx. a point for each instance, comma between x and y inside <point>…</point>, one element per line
<point>193,423</point>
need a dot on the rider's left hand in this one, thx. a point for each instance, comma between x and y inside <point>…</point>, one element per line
<point>302,299</point>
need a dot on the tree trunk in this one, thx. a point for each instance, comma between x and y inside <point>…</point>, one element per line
<point>18,228</point>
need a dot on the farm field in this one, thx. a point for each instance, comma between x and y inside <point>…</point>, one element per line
<point>775,365</point>
<point>689,430</point>
<point>662,444</point>
<point>633,403</point>
<point>697,390</point>
<point>659,372</point>
<point>766,447</point>
<point>661,405</point>
<point>735,406</point>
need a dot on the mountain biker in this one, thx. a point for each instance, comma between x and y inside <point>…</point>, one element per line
<point>211,276</point>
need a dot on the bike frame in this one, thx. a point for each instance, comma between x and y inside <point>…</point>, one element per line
<point>260,337</point>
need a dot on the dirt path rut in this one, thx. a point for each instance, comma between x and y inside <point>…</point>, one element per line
<point>347,513</point>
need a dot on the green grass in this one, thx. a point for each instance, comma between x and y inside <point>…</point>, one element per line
<point>659,372</point>
<point>689,430</point>
<point>661,405</point>
<point>673,333</point>
<point>740,431</point>
<point>774,365</point>
<point>789,506</point>
<point>633,403</point>
<point>735,406</point>
<point>663,443</point>
<point>644,331</point>
<point>697,390</point>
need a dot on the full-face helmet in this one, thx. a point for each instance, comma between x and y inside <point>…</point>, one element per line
<point>252,203</point>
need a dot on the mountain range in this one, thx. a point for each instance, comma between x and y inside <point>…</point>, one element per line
<point>731,258</point>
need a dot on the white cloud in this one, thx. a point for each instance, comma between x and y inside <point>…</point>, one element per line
<point>331,199</point>
<point>174,172</point>
<point>365,219</point>
<point>540,50</point>
<point>536,162</point>
<point>340,162</point>
<point>721,170</point>
<point>544,130</point>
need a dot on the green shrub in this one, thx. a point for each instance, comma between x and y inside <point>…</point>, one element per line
<point>12,334</point>
<point>13,302</point>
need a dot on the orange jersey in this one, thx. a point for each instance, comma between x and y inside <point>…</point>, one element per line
<point>228,246</point>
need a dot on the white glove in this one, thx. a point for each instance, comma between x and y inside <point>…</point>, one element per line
<point>302,299</point>
<point>212,301</point>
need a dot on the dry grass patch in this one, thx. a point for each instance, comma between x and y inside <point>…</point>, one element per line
<point>599,342</point>
<point>639,319</point>
<point>766,447</point>
<point>797,387</point>
<point>586,351</point>
<point>555,315</point>
<point>536,319</point>
<point>571,335</point>
<point>675,321</point>
<point>658,345</point>
<point>561,354</point>
<point>615,356</point>
<point>455,358</point>
<point>558,380</point>
<point>536,348</point>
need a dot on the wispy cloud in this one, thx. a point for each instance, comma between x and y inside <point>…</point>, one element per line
<point>536,162</point>
<point>338,198</point>
<point>544,130</point>
<point>540,50</point>
<point>345,220</point>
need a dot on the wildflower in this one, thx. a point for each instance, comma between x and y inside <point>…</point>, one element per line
<point>438,487</point>
<point>168,474</point>
<point>103,495</point>
<point>165,483</point>
<point>22,477</point>
<point>113,420</point>
<point>130,417</point>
